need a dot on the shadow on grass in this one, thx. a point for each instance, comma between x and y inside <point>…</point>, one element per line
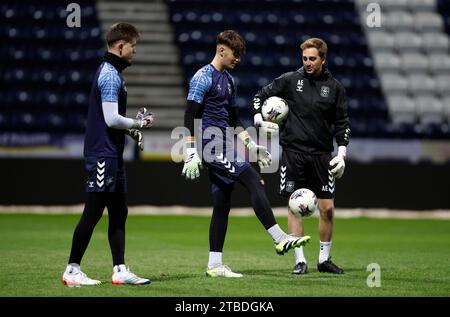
<point>311,271</point>
<point>173,277</point>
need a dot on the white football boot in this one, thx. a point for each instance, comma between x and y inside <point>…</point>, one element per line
<point>74,277</point>
<point>122,275</point>
<point>222,271</point>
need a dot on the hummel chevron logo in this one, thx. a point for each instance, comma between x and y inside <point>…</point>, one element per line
<point>228,165</point>
<point>100,184</point>
<point>283,180</point>
<point>232,169</point>
<point>283,168</point>
<point>100,177</point>
<point>282,187</point>
<point>101,165</point>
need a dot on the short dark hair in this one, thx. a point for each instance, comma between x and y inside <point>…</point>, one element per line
<point>233,40</point>
<point>317,43</point>
<point>121,31</point>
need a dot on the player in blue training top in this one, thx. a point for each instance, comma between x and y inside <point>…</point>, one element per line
<point>103,152</point>
<point>212,96</point>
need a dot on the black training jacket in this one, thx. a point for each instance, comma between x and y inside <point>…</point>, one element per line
<point>317,111</point>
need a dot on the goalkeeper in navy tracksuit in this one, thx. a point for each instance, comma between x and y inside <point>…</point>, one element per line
<point>212,97</point>
<point>317,113</point>
<point>103,149</point>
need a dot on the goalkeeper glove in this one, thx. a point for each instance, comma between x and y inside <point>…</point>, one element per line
<point>144,119</point>
<point>269,128</point>
<point>338,162</point>
<point>137,136</point>
<point>262,155</point>
<point>192,163</point>
<point>257,120</point>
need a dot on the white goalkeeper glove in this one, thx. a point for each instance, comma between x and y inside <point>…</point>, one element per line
<point>138,137</point>
<point>269,128</point>
<point>338,162</point>
<point>192,164</point>
<point>262,155</point>
<point>257,120</point>
<point>144,118</point>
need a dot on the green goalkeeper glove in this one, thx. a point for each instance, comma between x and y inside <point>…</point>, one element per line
<point>192,163</point>
<point>262,155</point>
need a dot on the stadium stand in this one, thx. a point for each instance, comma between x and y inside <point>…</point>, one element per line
<point>394,74</point>
<point>46,67</point>
<point>372,64</point>
<point>411,52</point>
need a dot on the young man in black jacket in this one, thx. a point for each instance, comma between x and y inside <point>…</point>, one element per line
<point>317,113</point>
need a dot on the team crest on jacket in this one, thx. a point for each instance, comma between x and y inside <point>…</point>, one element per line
<point>290,186</point>
<point>324,91</point>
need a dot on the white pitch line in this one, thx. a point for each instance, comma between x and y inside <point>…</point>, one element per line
<point>243,212</point>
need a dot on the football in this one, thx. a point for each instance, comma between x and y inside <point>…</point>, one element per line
<point>275,109</point>
<point>303,202</point>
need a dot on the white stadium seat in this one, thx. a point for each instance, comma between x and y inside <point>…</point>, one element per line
<point>387,61</point>
<point>429,109</point>
<point>407,41</point>
<point>397,20</point>
<point>380,40</point>
<point>414,62</point>
<point>428,21</point>
<point>402,109</point>
<point>436,42</point>
<point>446,108</point>
<point>443,84</point>
<point>421,84</point>
<point>393,83</point>
<point>439,63</point>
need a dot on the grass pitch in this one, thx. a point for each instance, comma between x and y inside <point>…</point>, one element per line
<point>172,251</point>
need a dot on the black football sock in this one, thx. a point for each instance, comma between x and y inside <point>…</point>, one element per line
<point>93,210</point>
<point>117,212</point>
<point>254,184</point>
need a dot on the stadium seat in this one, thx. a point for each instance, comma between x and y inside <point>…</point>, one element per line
<point>397,20</point>
<point>428,21</point>
<point>443,84</point>
<point>387,62</point>
<point>446,108</point>
<point>436,42</point>
<point>393,83</point>
<point>402,109</point>
<point>439,63</point>
<point>430,110</point>
<point>381,41</point>
<point>414,63</point>
<point>406,41</point>
<point>421,84</point>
